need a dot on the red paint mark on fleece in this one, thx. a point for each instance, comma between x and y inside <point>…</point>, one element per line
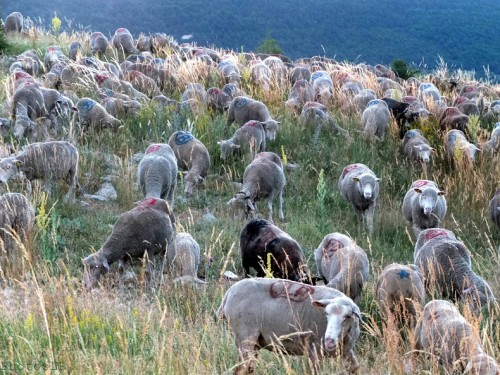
<point>349,168</point>
<point>20,75</point>
<point>52,49</point>
<point>331,247</point>
<point>433,233</point>
<point>460,100</point>
<point>252,123</point>
<point>469,89</point>
<point>148,202</point>
<point>152,148</point>
<point>420,183</point>
<point>294,292</point>
<point>121,30</point>
<point>100,78</point>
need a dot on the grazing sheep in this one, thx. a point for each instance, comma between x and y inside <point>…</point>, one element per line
<point>263,178</point>
<point>260,76</point>
<point>147,228</point>
<point>375,119</point>
<point>457,146</point>
<point>252,135</point>
<point>157,173</point>
<point>361,100</point>
<point>183,256</point>
<point>428,93</point>
<point>142,83</point>
<point>466,106</point>
<point>400,293</point>
<point>443,332</point>
<point>121,109</point>
<point>482,364</point>
<point>53,56</point>
<point>44,161</point>
<point>417,148</point>
<point>27,106</point>
<point>452,118</point>
<point>14,23</point>
<point>494,209</point>
<point>342,264</point>
<point>266,248</point>
<point>92,114</point>
<point>17,217</point>
<point>359,186</point>
<point>192,157</point>
<point>301,93</point>
<point>470,92</point>
<point>299,72</point>
<point>124,42</point>
<point>316,115</point>
<point>493,145</point>
<point>437,251</point>
<point>424,206</point>
<point>323,88</point>
<point>232,91</point>
<point>75,50</point>
<point>217,100</point>
<point>290,317</point>
<point>402,114</point>
<point>243,109</point>
<point>230,71</point>
<point>98,44</point>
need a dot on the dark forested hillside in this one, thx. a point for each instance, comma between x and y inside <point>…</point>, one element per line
<point>462,32</point>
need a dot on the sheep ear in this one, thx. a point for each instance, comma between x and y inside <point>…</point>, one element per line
<point>322,303</point>
<point>231,201</point>
<point>417,190</point>
<point>87,260</point>
<point>441,192</point>
<point>250,205</point>
<point>74,109</point>
<point>355,179</point>
<point>377,179</point>
<point>105,264</point>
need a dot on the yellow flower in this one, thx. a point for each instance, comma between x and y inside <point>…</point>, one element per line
<point>56,24</point>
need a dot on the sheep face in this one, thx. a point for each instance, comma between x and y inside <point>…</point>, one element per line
<point>424,153</point>
<point>95,266</point>
<point>343,318</point>
<point>8,168</point>
<point>271,127</point>
<point>191,182</point>
<point>470,151</point>
<point>366,185</point>
<point>227,148</point>
<point>21,125</point>
<point>428,198</point>
<point>482,364</point>
<point>243,201</point>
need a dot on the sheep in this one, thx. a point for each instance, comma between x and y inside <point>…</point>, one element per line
<point>53,56</point>
<point>299,72</point>
<point>301,93</point>
<point>217,100</point>
<point>323,88</point>
<point>361,100</point>
<point>147,228</point>
<point>157,173</point>
<point>457,146</point>
<point>375,119</point>
<point>230,71</point>
<point>243,109</point>
<point>443,332</point>
<point>316,114</point>
<point>437,251</point>
<point>400,293</point>
<point>98,44</point>
<point>289,317</point>
<point>75,50</point>
<point>263,178</point>
<point>27,106</point>
<point>252,135</point>
<point>192,157</point>
<point>466,106</point>
<point>260,75</point>
<point>428,93</point>
<point>342,264</point>
<point>46,161</point>
<point>359,186</point>
<point>124,42</point>
<point>14,23</point>
<point>91,113</point>
<point>402,114</point>
<point>417,148</point>
<point>452,118</point>
<point>196,93</point>
<point>493,144</point>
<point>17,217</point>
<point>121,109</point>
<point>142,83</point>
<point>266,248</point>
<point>424,205</point>
<point>482,364</point>
<point>469,92</point>
<point>183,257</point>
<point>494,209</point>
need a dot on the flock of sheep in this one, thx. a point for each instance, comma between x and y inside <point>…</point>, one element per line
<point>288,310</point>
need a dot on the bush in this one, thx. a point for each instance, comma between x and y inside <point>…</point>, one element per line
<point>269,45</point>
<point>402,70</point>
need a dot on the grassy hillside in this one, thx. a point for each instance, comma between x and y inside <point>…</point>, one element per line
<point>48,320</point>
<point>363,31</point>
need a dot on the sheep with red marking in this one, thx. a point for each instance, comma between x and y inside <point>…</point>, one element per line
<point>289,317</point>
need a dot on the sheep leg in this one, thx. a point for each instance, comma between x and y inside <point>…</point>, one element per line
<point>416,230</point>
<point>248,354</point>
<point>270,207</point>
<point>280,203</point>
<point>70,195</point>
<point>368,215</point>
<point>353,362</point>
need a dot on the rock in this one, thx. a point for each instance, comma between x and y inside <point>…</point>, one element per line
<point>107,191</point>
<point>209,218</point>
<point>230,276</point>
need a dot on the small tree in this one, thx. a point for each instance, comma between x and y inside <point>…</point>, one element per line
<point>269,45</point>
<point>4,44</point>
<point>402,70</point>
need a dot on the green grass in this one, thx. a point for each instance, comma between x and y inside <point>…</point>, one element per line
<point>45,315</point>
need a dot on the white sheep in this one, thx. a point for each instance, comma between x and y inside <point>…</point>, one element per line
<point>342,264</point>
<point>183,256</point>
<point>359,186</point>
<point>400,292</point>
<point>283,315</point>
<point>437,251</point>
<point>443,332</point>
<point>457,145</point>
<point>250,136</point>
<point>376,118</point>
<point>424,205</point>
<point>263,178</point>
